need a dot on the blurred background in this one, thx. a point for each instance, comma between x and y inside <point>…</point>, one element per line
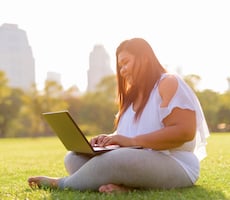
<point>60,54</point>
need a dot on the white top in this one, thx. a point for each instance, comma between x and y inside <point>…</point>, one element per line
<point>152,117</point>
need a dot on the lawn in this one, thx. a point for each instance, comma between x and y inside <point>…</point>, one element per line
<point>21,158</point>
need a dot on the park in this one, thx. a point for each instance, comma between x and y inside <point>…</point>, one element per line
<point>23,157</point>
<point>31,148</point>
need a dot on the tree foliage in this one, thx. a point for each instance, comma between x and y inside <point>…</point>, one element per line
<point>10,104</point>
<point>192,80</point>
<point>95,111</point>
<point>21,112</point>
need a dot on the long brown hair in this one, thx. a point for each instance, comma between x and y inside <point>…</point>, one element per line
<point>148,71</point>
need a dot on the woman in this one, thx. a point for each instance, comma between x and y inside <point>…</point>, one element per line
<point>157,111</point>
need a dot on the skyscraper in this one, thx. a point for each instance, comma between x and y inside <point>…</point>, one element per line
<point>16,58</point>
<point>99,66</point>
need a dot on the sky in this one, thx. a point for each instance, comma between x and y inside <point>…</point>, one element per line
<point>188,36</point>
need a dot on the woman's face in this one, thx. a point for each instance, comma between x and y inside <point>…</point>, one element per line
<point>126,65</point>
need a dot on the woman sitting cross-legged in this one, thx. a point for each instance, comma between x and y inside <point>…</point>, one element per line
<point>157,111</point>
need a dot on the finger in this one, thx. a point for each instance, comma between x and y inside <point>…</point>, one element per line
<point>94,141</point>
<point>107,141</point>
<point>101,139</point>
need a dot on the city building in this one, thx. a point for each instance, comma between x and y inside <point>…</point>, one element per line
<point>16,58</point>
<point>99,66</point>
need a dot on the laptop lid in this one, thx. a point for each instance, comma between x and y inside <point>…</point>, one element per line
<point>68,132</point>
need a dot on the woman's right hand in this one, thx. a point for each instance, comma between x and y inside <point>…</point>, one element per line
<point>95,141</point>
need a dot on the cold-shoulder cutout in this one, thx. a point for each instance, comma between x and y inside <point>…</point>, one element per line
<point>167,89</point>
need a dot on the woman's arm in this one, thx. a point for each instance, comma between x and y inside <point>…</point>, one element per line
<point>179,125</point>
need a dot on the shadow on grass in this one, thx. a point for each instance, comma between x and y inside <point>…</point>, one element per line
<point>193,193</point>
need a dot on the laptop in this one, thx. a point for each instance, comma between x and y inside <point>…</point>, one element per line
<point>71,135</point>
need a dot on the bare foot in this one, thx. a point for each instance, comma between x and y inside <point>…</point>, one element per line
<point>43,181</point>
<point>112,188</point>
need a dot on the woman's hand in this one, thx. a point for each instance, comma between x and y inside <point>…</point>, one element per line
<point>113,139</point>
<point>95,141</point>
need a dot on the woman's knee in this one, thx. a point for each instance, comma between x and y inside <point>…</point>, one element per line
<point>73,161</point>
<point>68,157</point>
<point>68,162</point>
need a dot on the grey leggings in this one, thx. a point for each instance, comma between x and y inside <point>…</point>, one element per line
<point>137,168</point>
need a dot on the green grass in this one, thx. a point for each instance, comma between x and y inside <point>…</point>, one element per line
<point>21,158</point>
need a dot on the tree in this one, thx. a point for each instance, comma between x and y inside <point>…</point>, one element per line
<point>5,92</point>
<point>95,111</point>
<point>36,102</point>
<point>10,103</point>
<point>224,111</point>
<point>11,113</point>
<point>192,80</point>
<point>210,103</point>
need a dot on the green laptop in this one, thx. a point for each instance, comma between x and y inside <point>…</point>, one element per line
<point>71,135</point>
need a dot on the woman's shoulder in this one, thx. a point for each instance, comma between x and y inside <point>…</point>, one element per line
<point>168,83</point>
<point>167,87</point>
<point>168,78</point>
